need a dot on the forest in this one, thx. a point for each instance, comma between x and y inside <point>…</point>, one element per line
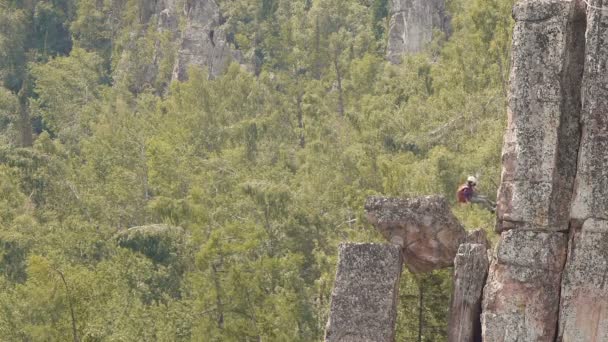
<point>137,208</point>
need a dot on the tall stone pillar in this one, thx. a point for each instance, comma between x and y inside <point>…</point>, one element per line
<point>470,271</point>
<point>364,299</point>
<point>541,143</point>
<point>584,306</point>
<point>522,294</point>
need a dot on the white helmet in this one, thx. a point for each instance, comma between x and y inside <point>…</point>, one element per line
<point>472,179</point>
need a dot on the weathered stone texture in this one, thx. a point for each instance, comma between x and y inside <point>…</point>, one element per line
<point>411,26</point>
<point>478,236</point>
<point>425,227</point>
<point>364,299</point>
<point>203,41</point>
<point>521,296</point>
<point>542,138</point>
<point>591,190</point>
<point>584,306</point>
<point>470,272</point>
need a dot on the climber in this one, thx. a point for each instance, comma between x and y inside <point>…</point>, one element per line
<point>467,194</point>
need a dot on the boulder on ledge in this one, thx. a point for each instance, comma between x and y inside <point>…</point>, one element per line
<point>425,228</point>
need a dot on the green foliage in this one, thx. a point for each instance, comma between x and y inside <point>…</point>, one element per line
<point>13,44</point>
<point>265,172</point>
<point>380,13</point>
<point>65,86</point>
<point>9,117</point>
<point>424,306</point>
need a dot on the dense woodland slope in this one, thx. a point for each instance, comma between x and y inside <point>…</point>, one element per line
<point>265,168</point>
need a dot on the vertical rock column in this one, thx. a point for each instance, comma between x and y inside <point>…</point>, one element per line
<point>584,306</point>
<point>543,133</point>
<point>364,299</point>
<point>411,25</point>
<point>521,297</point>
<point>470,271</point>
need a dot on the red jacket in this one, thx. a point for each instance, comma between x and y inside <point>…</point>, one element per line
<point>465,193</point>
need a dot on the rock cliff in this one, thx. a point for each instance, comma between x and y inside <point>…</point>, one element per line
<point>186,33</point>
<point>547,278</point>
<point>411,26</point>
<point>584,297</point>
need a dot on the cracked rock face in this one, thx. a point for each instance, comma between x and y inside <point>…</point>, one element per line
<point>411,26</point>
<point>364,298</point>
<point>584,302</point>
<point>425,227</point>
<point>521,296</point>
<point>591,189</point>
<point>584,306</point>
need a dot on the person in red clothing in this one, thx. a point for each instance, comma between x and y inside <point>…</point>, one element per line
<point>466,194</point>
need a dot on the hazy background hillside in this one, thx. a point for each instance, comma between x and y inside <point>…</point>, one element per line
<point>253,176</point>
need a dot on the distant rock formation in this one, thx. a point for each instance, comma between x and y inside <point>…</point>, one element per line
<point>185,36</point>
<point>411,26</point>
<point>203,42</point>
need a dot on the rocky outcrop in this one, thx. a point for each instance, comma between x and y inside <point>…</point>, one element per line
<point>203,41</point>
<point>584,304</point>
<point>425,236</point>
<point>364,299</point>
<point>411,26</point>
<point>470,272</point>
<point>425,227</point>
